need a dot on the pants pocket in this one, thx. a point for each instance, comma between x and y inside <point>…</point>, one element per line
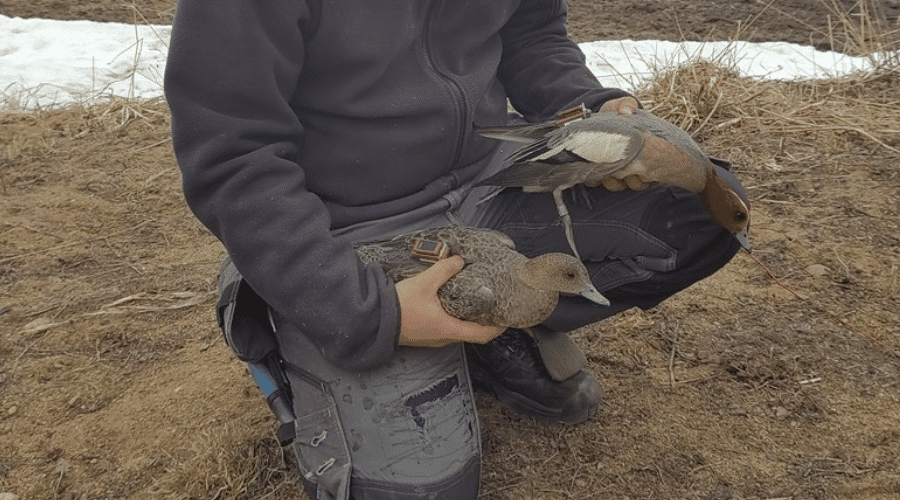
<point>320,445</point>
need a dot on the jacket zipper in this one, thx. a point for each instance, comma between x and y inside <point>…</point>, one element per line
<point>452,85</point>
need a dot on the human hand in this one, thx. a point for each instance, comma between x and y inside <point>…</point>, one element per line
<point>632,182</point>
<point>624,105</point>
<point>423,322</point>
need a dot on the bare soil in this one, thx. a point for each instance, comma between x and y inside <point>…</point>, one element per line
<point>115,383</point>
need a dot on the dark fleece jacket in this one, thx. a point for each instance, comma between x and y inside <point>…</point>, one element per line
<point>294,117</point>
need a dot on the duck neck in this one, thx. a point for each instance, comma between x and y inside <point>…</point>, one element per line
<point>713,194</point>
<point>528,272</point>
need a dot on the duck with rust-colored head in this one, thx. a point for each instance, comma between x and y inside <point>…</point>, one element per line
<point>615,150</point>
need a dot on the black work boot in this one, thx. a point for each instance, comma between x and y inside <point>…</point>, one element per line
<point>510,368</point>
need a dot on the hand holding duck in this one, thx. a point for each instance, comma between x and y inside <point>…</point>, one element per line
<point>497,287</point>
<point>615,149</point>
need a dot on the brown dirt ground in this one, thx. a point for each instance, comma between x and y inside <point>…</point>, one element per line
<point>114,381</point>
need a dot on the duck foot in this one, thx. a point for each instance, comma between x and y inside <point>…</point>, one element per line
<point>566,220</point>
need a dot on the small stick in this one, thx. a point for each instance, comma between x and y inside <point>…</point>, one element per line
<point>153,145</point>
<point>710,114</point>
<point>775,278</point>
<point>73,243</point>
<point>672,359</point>
<point>830,315</point>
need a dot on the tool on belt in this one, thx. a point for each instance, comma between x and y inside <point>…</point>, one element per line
<point>270,378</point>
<point>249,331</point>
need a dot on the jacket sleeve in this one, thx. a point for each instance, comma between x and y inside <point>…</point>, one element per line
<point>231,74</point>
<point>542,69</point>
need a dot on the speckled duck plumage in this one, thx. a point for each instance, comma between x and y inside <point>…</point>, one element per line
<point>498,286</point>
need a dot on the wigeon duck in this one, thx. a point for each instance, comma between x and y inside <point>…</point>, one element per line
<point>498,286</point>
<point>587,148</point>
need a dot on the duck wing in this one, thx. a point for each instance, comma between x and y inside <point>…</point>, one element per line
<point>470,243</point>
<point>593,147</point>
<point>608,138</point>
<point>397,258</point>
<point>470,295</point>
<point>536,176</point>
<point>393,256</point>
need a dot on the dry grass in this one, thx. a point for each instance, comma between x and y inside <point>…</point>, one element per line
<point>866,30</point>
<point>236,460</point>
<point>699,95</point>
<point>734,389</point>
<point>863,29</point>
<point>705,98</point>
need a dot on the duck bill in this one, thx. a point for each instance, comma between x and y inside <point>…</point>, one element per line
<point>594,296</point>
<point>744,240</point>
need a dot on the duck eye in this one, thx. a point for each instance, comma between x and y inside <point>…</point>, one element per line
<point>570,275</point>
<point>740,216</point>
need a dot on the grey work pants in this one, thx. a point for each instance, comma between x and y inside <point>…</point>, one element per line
<point>409,430</point>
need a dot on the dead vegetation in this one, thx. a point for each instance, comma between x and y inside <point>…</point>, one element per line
<point>234,461</point>
<point>858,27</point>
<point>115,384</point>
<point>704,94</point>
